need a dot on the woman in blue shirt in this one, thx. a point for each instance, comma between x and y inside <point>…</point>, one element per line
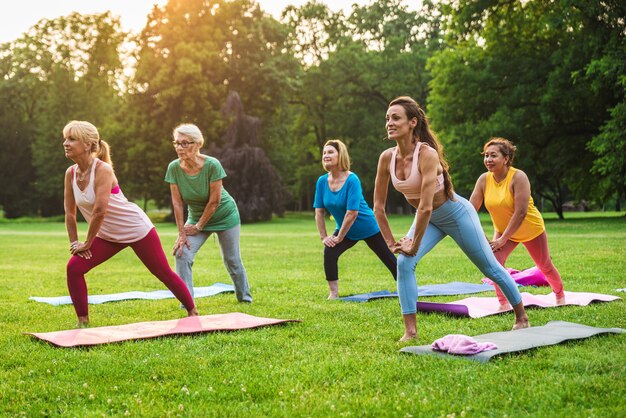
<point>339,192</point>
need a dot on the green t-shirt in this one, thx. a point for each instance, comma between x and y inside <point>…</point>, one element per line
<point>195,192</point>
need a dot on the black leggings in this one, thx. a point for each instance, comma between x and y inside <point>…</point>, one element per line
<point>375,242</point>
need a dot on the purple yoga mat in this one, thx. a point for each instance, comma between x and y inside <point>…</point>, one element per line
<point>477,307</point>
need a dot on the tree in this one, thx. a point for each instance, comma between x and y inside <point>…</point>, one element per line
<point>62,69</point>
<point>509,69</point>
<point>605,72</point>
<point>191,54</point>
<point>355,66</point>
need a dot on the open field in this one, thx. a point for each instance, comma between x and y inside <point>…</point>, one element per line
<point>341,360</point>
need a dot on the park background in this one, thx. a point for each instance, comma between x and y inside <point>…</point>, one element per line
<point>548,75</point>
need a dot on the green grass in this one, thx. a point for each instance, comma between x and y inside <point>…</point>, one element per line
<point>341,360</point>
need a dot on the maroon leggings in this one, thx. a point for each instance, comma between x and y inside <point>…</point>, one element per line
<point>538,250</point>
<point>149,251</point>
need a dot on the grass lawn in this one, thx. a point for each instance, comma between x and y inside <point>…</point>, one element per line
<point>341,360</point>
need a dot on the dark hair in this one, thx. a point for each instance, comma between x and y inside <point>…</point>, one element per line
<point>422,133</point>
<point>505,146</point>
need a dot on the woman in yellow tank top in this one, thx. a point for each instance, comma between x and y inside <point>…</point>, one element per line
<point>505,192</point>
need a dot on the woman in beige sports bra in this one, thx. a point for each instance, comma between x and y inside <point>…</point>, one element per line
<point>418,170</point>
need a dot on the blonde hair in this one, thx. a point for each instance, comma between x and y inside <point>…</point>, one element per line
<point>342,150</point>
<point>88,134</point>
<point>505,146</point>
<point>191,131</point>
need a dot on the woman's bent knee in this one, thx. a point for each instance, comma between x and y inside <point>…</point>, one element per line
<point>75,268</point>
<point>406,264</point>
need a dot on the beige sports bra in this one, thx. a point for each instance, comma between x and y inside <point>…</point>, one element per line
<point>411,188</point>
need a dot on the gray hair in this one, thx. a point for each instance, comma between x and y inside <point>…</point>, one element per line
<point>191,131</point>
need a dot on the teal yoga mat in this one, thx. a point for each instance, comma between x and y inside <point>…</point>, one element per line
<point>445,289</point>
<point>199,292</point>
<point>554,332</point>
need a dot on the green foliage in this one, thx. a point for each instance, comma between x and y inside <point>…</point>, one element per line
<point>342,359</point>
<point>513,69</point>
<point>62,69</point>
<point>547,75</point>
<point>355,65</point>
<point>606,73</point>
<point>191,54</point>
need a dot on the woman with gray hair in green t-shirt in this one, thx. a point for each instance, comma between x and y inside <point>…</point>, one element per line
<point>196,180</point>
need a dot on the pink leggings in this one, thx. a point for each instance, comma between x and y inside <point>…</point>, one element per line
<point>538,250</point>
<point>149,251</point>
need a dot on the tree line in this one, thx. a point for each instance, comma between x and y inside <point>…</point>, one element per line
<point>548,75</point>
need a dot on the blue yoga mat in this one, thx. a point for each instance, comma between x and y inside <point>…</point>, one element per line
<point>199,292</point>
<point>446,289</point>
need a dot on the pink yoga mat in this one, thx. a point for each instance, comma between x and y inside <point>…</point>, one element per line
<point>190,325</point>
<point>477,307</point>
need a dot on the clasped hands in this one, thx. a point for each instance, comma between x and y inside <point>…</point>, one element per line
<point>331,240</point>
<point>80,249</point>
<point>497,244</point>
<point>191,229</point>
<point>404,246</point>
<point>182,241</point>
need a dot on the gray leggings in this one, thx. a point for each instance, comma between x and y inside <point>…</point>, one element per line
<point>229,245</point>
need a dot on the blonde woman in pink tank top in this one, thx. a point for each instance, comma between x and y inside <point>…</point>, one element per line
<point>114,223</point>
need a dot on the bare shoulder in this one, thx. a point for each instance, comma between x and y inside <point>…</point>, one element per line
<point>104,167</point>
<point>519,176</point>
<point>385,157</point>
<point>386,154</point>
<point>105,174</point>
<point>426,149</point>
<point>428,154</point>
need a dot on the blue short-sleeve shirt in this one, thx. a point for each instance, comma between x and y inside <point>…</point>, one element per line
<point>349,197</point>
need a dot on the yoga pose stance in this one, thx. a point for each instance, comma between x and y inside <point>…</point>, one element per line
<point>196,179</point>
<point>418,170</point>
<point>339,192</point>
<point>114,222</point>
<point>505,191</point>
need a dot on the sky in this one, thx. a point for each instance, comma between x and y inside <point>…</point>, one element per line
<point>17,16</point>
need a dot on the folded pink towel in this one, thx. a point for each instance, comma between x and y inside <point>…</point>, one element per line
<point>461,344</point>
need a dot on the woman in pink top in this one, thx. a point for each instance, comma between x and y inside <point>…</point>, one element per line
<point>114,222</point>
<point>418,169</point>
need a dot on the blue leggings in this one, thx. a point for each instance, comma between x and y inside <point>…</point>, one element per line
<point>459,220</point>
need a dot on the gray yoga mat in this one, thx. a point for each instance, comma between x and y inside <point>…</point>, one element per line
<point>554,332</point>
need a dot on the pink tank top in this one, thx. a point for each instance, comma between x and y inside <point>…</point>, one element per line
<point>411,188</point>
<point>124,221</point>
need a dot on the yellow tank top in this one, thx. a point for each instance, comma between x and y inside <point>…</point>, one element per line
<point>499,201</point>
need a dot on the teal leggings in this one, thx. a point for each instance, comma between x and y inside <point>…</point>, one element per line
<point>459,219</point>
